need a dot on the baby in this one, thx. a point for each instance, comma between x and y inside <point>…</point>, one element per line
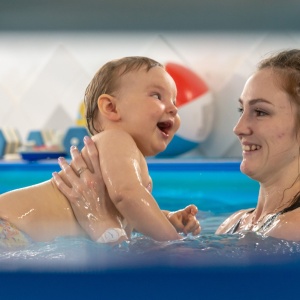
<point>131,113</point>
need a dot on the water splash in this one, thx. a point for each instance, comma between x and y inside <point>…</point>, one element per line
<point>205,250</point>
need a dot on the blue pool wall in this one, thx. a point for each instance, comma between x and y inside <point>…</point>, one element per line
<point>23,173</point>
<point>172,179</point>
<point>216,186</point>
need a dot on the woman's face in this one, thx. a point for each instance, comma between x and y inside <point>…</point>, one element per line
<point>266,128</point>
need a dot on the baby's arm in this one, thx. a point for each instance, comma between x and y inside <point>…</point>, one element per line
<point>125,175</point>
<point>80,191</point>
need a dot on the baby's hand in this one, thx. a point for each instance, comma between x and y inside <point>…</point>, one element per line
<point>184,220</point>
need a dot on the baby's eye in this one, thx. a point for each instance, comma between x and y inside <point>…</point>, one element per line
<point>157,96</point>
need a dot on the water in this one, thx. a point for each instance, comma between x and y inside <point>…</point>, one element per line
<point>203,267</point>
<point>217,193</point>
<point>206,250</point>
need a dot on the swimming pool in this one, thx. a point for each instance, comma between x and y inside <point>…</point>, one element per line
<point>206,266</point>
<point>215,187</point>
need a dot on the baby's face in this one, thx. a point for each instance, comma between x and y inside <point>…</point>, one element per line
<point>147,104</point>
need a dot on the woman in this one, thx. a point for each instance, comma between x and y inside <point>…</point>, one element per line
<point>269,133</point>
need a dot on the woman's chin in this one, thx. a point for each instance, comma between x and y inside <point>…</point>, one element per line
<point>246,169</point>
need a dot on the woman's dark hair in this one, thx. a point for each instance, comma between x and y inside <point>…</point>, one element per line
<point>286,64</point>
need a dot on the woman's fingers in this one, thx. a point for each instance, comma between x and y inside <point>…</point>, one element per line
<point>68,171</point>
<point>62,186</point>
<point>93,155</point>
<point>78,164</point>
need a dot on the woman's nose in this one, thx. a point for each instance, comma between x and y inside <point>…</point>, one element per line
<point>242,126</point>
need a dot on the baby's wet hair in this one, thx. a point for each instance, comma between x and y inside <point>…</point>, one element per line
<point>106,81</point>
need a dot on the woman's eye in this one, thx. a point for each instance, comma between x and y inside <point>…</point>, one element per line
<point>240,110</point>
<point>260,113</point>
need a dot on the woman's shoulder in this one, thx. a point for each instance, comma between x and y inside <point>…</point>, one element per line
<point>287,226</point>
<point>232,220</point>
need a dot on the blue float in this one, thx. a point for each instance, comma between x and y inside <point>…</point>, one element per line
<point>74,137</point>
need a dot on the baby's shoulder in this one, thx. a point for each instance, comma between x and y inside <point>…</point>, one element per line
<point>109,133</point>
<point>113,136</point>
<point>116,142</point>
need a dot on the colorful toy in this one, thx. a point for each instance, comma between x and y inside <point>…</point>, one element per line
<point>74,136</point>
<point>10,141</point>
<point>42,144</point>
<point>81,115</point>
<point>195,107</point>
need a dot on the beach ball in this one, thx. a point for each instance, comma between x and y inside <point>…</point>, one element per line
<point>195,108</point>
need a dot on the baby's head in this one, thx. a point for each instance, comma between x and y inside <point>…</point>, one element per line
<point>106,81</point>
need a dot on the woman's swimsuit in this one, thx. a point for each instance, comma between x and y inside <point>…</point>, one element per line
<point>269,221</point>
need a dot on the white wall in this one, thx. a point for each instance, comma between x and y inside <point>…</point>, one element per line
<point>43,75</point>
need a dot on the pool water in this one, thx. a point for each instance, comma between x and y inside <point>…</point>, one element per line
<point>207,265</point>
<point>216,189</point>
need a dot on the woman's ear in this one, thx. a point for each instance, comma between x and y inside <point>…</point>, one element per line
<point>108,108</point>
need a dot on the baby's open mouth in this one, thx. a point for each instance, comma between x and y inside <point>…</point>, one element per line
<point>165,126</point>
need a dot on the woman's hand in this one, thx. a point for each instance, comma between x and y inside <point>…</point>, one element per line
<point>184,220</point>
<point>85,189</point>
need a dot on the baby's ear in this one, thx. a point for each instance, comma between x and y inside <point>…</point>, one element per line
<point>107,107</point>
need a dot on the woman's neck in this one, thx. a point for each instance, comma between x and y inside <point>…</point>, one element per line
<point>277,195</point>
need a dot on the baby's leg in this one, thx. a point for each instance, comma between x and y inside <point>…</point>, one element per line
<point>11,237</point>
